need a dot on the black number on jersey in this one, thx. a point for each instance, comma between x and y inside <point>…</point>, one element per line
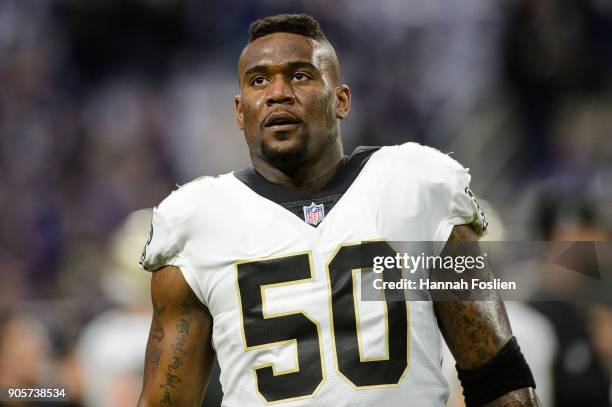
<point>366,373</point>
<point>262,329</point>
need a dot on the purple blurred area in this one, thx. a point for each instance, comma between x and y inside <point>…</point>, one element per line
<point>105,105</point>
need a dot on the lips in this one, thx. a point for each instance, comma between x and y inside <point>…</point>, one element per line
<point>281,121</point>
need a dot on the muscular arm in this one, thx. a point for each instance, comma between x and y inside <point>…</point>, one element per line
<point>179,355</point>
<point>475,331</point>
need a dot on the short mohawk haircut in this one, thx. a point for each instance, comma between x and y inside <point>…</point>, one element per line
<point>301,24</point>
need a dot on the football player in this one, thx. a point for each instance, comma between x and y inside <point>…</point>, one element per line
<point>260,266</point>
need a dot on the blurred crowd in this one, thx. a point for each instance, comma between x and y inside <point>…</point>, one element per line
<point>105,105</point>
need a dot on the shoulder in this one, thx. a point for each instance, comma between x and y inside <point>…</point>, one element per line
<point>419,163</point>
<point>425,156</point>
<point>193,194</point>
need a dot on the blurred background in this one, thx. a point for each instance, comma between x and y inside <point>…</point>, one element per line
<point>105,105</point>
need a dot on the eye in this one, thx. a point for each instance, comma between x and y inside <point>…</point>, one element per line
<point>300,77</point>
<point>258,81</point>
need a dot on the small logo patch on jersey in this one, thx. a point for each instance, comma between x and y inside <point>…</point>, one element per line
<point>143,256</point>
<point>483,216</point>
<point>314,214</point>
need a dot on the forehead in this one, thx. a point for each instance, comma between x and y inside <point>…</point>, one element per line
<point>280,48</point>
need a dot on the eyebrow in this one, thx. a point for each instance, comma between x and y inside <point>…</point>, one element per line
<point>293,65</point>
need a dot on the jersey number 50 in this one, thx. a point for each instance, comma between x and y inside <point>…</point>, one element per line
<point>261,329</point>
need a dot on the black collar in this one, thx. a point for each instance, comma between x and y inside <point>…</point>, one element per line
<point>293,200</point>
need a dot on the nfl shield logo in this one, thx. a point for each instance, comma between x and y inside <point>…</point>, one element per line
<point>313,214</point>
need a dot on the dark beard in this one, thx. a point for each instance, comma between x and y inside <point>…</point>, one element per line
<point>286,160</point>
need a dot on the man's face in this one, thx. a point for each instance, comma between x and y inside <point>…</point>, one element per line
<point>289,98</point>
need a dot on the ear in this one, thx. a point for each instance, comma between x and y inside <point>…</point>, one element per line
<point>238,111</point>
<point>343,101</point>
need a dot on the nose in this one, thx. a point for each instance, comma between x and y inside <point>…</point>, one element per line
<point>279,91</point>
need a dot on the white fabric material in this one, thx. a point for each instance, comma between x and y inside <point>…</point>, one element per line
<point>404,193</point>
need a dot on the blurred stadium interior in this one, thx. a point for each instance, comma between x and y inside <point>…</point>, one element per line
<point>105,105</point>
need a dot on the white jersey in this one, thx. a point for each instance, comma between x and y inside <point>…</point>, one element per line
<point>279,274</point>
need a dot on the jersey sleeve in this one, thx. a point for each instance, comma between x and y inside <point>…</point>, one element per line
<point>162,247</point>
<point>463,208</point>
<point>165,247</point>
<point>440,187</point>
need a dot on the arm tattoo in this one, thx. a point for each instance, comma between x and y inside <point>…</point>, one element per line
<point>173,370</point>
<point>157,331</point>
<point>154,358</point>
<point>474,330</point>
<point>157,334</point>
<point>473,333</point>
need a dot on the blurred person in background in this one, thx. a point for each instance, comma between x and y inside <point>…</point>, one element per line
<point>25,352</point>
<point>110,351</point>
<point>600,326</point>
<point>582,362</point>
<point>557,54</point>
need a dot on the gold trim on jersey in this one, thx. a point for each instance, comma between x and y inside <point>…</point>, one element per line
<point>266,315</point>
<point>358,333</point>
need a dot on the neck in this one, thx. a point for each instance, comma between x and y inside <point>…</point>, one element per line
<point>309,178</point>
